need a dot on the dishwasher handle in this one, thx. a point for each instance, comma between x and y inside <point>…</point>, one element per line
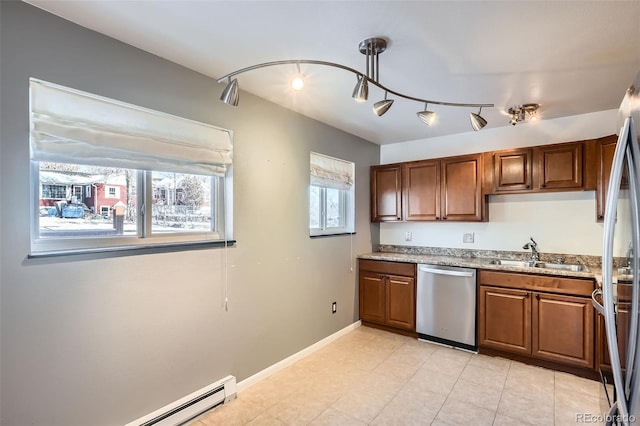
<point>446,272</point>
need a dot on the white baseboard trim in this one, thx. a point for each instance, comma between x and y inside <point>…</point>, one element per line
<point>261,375</point>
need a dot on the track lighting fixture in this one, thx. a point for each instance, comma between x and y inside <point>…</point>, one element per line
<point>426,116</point>
<point>371,48</point>
<point>522,113</point>
<point>477,122</point>
<point>297,82</point>
<point>361,91</point>
<point>230,94</point>
<point>380,107</point>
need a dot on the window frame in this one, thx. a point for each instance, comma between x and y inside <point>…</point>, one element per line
<point>49,197</point>
<point>221,193</point>
<point>347,207</point>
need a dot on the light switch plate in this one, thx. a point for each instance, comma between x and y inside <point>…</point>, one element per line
<point>467,237</point>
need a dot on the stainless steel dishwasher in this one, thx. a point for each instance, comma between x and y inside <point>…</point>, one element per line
<point>446,306</point>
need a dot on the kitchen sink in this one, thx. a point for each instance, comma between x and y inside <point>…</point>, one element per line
<point>534,264</point>
<point>560,266</point>
<point>624,271</point>
<point>519,263</point>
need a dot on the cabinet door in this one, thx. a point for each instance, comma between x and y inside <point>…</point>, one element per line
<point>606,148</point>
<point>560,166</point>
<point>386,193</point>
<point>461,188</point>
<point>563,329</point>
<point>512,170</point>
<point>372,297</point>
<point>504,319</point>
<point>603,361</point>
<point>421,190</point>
<point>401,302</point>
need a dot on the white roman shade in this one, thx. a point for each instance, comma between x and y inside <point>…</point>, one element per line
<point>330,172</point>
<point>70,126</point>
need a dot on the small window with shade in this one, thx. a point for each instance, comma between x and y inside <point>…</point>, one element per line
<point>331,196</point>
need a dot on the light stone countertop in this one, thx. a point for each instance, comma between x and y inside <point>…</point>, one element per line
<point>477,263</point>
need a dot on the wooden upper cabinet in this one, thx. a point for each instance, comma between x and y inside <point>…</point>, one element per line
<point>512,170</point>
<point>559,166</point>
<point>461,188</point>
<point>605,149</point>
<point>421,190</point>
<point>386,193</point>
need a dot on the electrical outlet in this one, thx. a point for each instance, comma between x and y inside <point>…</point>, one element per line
<point>467,237</point>
<point>407,236</point>
<point>334,307</point>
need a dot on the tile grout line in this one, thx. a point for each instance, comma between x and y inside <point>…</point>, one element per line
<point>504,385</point>
<point>448,394</point>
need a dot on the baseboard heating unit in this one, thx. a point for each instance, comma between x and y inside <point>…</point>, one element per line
<point>184,409</point>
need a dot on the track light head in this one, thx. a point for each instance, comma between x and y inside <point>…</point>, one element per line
<point>477,121</point>
<point>427,117</point>
<point>380,107</point>
<point>230,93</point>
<point>526,112</point>
<point>361,91</point>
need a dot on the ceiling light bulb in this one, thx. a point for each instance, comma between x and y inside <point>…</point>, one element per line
<point>297,82</point>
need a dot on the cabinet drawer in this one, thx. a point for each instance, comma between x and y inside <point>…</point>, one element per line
<point>572,286</point>
<point>386,267</point>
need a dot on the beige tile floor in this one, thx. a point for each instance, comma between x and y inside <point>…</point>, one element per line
<point>371,377</point>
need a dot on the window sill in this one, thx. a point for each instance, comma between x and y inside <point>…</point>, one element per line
<point>331,235</point>
<point>118,251</point>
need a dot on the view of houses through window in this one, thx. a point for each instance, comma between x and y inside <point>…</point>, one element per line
<point>84,201</point>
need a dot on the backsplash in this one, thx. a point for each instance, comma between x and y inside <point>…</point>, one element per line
<point>589,261</point>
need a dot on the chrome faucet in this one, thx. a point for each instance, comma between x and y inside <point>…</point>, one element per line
<point>535,256</point>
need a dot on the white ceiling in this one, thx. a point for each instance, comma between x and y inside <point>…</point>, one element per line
<point>572,57</point>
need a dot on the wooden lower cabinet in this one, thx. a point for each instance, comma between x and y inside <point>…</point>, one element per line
<point>372,297</point>
<point>400,302</point>
<point>514,317</point>
<point>505,319</point>
<point>563,329</point>
<point>388,294</point>
<point>603,360</point>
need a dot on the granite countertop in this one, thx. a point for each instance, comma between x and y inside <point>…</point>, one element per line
<point>590,271</point>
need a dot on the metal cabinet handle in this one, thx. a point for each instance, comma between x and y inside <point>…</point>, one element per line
<point>537,296</point>
<point>597,305</point>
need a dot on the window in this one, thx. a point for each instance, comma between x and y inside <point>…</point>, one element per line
<point>77,194</point>
<point>54,192</point>
<point>331,196</point>
<point>149,178</point>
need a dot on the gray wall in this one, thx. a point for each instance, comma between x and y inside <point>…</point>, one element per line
<point>105,339</point>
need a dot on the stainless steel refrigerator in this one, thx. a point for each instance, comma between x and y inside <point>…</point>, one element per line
<point>620,289</point>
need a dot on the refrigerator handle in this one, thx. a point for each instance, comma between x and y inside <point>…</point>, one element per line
<point>611,207</point>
